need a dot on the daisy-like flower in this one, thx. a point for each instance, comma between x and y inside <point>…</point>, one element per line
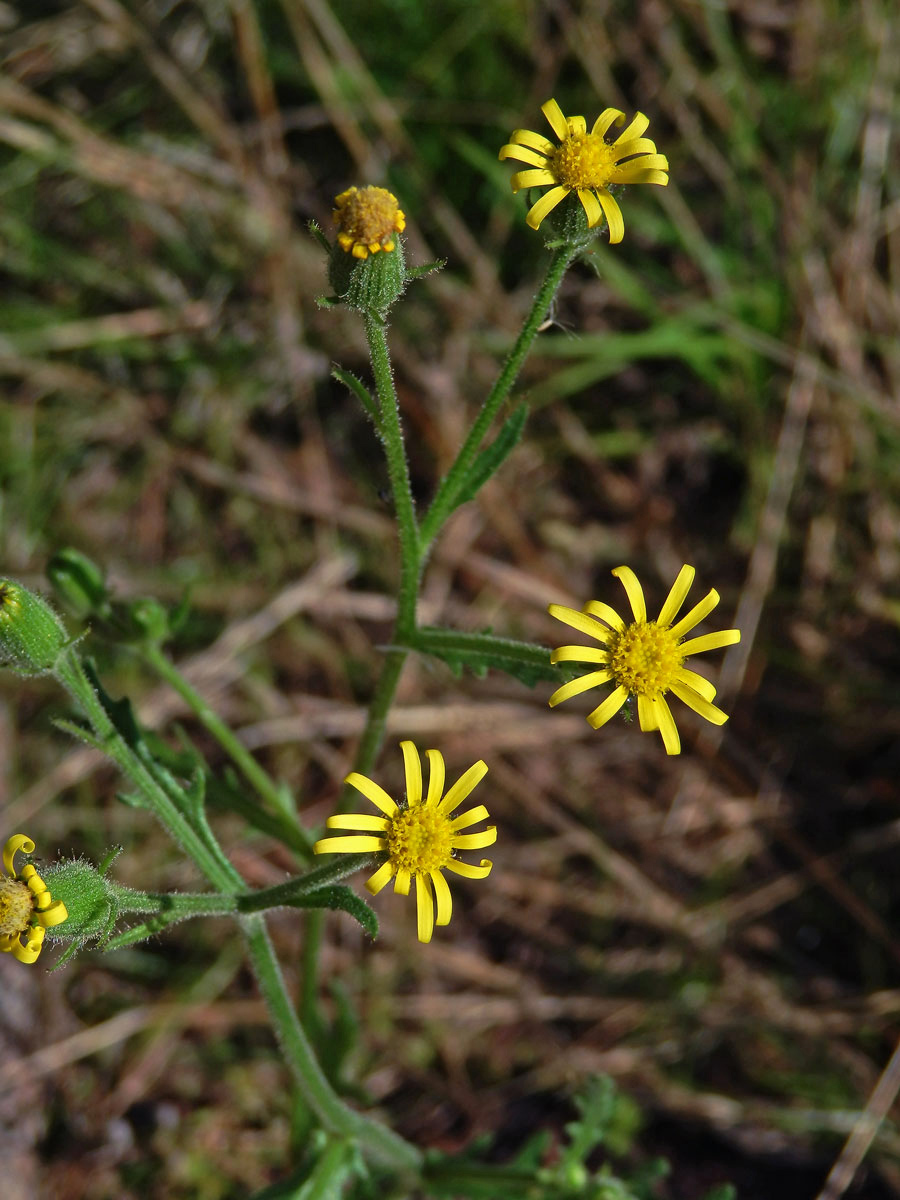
<point>367,220</point>
<point>419,837</point>
<point>646,658</point>
<point>27,910</point>
<point>585,163</point>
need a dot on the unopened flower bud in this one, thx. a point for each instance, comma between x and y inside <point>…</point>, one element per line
<point>32,637</point>
<point>367,268</point>
<point>78,581</point>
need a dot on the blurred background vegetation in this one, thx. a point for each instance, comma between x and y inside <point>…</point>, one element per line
<point>717,931</point>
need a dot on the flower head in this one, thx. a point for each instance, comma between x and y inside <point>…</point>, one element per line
<point>585,163</point>
<point>367,219</point>
<point>419,837</point>
<point>26,906</point>
<point>646,658</point>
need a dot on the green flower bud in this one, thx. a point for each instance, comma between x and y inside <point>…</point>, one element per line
<point>78,582</point>
<point>149,619</point>
<point>91,899</point>
<point>32,637</point>
<point>367,268</point>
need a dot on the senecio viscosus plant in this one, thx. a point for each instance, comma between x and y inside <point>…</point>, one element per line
<point>415,840</point>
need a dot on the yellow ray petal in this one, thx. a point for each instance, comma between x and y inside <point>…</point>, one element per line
<point>19,841</point>
<point>527,137</point>
<point>383,875</point>
<point>592,209</point>
<point>545,205</point>
<point>692,680</point>
<point>647,717</point>
<point>372,791</point>
<point>638,174</point>
<point>586,654</point>
<point>576,686</point>
<point>442,897</point>
<point>580,621</point>
<point>577,126</point>
<point>608,708</point>
<point>469,870</point>
<point>401,883</point>
<point>710,641</point>
<point>413,768</point>
<point>697,613</point>
<point>479,813</point>
<point>53,914</point>
<point>463,786</point>
<point>667,727</point>
<point>435,777</point>
<point>348,845</point>
<point>522,154</point>
<point>614,218</point>
<point>639,145</point>
<point>527,179</point>
<point>554,115</point>
<point>357,821</point>
<point>424,907</point>
<point>676,596</point>
<point>475,841</point>
<point>606,118</point>
<point>596,608</point>
<point>634,130</point>
<point>699,704</point>
<point>633,591</point>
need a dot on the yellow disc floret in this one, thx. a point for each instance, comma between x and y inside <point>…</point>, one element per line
<point>367,220</point>
<point>645,659</point>
<point>420,839</point>
<point>584,161</point>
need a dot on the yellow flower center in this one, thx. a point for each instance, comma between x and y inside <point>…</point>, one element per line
<point>9,601</point>
<point>419,839</point>
<point>367,219</point>
<point>583,161</point>
<point>645,658</point>
<point>16,906</point>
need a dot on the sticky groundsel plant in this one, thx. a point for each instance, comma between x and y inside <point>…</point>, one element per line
<point>412,840</point>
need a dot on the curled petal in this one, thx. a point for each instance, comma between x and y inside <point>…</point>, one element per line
<point>442,898</point>
<point>382,876</point>
<point>608,708</point>
<point>372,791</point>
<point>638,145</point>
<point>677,595</point>
<point>527,137</point>
<point>710,641</point>
<point>576,686</point>
<point>19,841</point>
<point>606,118</point>
<point>634,592</point>
<point>667,727</point>
<point>554,115</point>
<point>545,205</point>
<point>53,914</point>
<point>577,126</point>
<point>469,870</point>
<point>30,951</point>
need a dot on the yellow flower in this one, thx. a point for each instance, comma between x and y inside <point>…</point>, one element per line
<point>420,837</point>
<point>585,163</point>
<point>646,658</point>
<point>26,906</point>
<point>367,219</point>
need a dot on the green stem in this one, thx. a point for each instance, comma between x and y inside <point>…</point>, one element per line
<point>255,775</point>
<point>398,472</point>
<point>444,501</point>
<point>333,1114</point>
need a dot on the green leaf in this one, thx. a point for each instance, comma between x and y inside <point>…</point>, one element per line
<point>360,391</point>
<point>338,897</point>
<point>481,652</point>
<point>119,712</point>
<point>492,457</point>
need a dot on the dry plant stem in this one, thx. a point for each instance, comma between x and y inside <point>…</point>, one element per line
<point>255,775</point>
<point>205,852</point>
